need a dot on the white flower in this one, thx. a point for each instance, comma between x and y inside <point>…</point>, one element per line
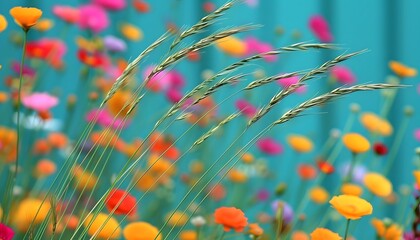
<point>198,221</point>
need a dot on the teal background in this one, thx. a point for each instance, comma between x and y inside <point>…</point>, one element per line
<point>387,28</point>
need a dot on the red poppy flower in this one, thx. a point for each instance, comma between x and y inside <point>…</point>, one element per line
<point>231,218</point>
<point>159,144</point>
<point>325,167</point>
<point>380,149</point>
<point>91,59</point>
<point>307,171</point>
<point>123,202</point>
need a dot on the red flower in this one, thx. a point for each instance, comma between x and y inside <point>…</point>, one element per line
<point>325,166</point>
<point>95,59</point>
<point>307,171</point>
<point>230,217</point>
<point>141,6</point>
<point>123,202</point>
<point>380,149</point>
<point>161,145</point>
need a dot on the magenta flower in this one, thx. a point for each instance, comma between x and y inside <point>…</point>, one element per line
<point>93,17</point>
<point>174,95</point>
<point>263,195</point>
<point>164,80</point>
<point>287,82</point>
<point>6,233</point>
<point>111,4</point>
<point>269,146</point>
<point>40,102</point>
<point>66,13</point>
<point>27,71</point>
<point>320,28</point>
<point>342,74</point>
<point>105,119</point>
<point>417,134</point>
<point>246,108</point>
<point>254,46</point>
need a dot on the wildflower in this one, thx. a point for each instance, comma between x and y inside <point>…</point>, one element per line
<point>325,167</point>
<point>121,202</point>
<point>8,143</point>
<point>6,233</point>
<point>288,82</point>
<point>141,230</point>
<point>111,4</point>
<point>114,44</point>
<point>92,59</point>
<point>319,195</point>
<point>269,146</point>
<point>45,168</point>
<point>320,28</point>
<point>196,167</point>
<point>387,230</point>
<point>231,46</point>
<point>262,195</point>
<point>351,207</point>
<point>72,221</point>
<point>102,226</point>
<point>246,108</point>
<point>417,177</point>
<point>300,235</point>
<point>380,149</point>
<point>48,49</point>
<point>141,6</point>
<point>342,74</point>
<point>356,143</point>
<point>131,32</point>
<point>174,95</point>
<point>44,25</point>
<point>188,235</point>
<point>3,23</point>
<point>378,184</point>
<point>66,13</point>
<point>284,209</point>
<point>307,171</point>
<point>30,210</point>
<point>39,101</point>
<point>401,70</point>
<point>198,221</point>
<point>351,189</point>
<point>324,234</point>
<point>41,146</point>
<point>145,181</point>
<point>26,17</point>
<point>93,17</point>
<point>57,140</point>
<point>217,192</point>
<point>193,56</point>
<point>376,124</point>
<point>230,218</point>
<point>247,158</point>
<point>84,180</point>
<point>237,176</point>
<point>300,143</point>
<point>254,46</point>
<point>119,105</point>
<point>255,230</point>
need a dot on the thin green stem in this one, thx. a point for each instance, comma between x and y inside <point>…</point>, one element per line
<point>347,229</point>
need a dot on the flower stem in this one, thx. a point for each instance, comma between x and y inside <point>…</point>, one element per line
<point>347,229</point>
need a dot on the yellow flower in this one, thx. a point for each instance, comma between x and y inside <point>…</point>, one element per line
<point>237,176</point>
<point>300,143</point>
<point>44,25</point>
<point>141,231</point>
<point>188,235</point>
<point>247,158</point>
<point>417,177</point>
<point>25,17</point>
<point>402,70</point>
<point>102,227</point>
<point>178,219</point>
<point>319,195</point>
<point>375,124</point>
<point>31,209</point>
<point>351,189</point>
<point>351,207</point>
<point>84,179</point>
<point>356,143</point>
<point>324,234</point>
<point>3,24</point>
<point>387,231</point>
<point>377,184</point>
<point>232,46</point>
<point>131,32</point>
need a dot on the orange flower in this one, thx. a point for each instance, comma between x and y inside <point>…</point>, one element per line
<point>120,102</point>
<point>141,231</point>
<point>417,177</point>
<point>45,168</point>
<point>300,143</point>
<point>300,235</point>
<point>378,184</point>
<point>178,218</point>
<point>375,124</point>
<point>102,226</point>
<point>319,195</point>
<point>351,207</point>
<point>26,17</point>
<point>230,217</point>
<point>232,46</point>
<point>402,70</point>
<point>356,143</point>
<point>57,140</point>
<point>255,230</point>
<point>188,235</point>
<point>247,158</point>
<point>387,231</point>
<point>237,176</point>
<point>3,23</point>
<point>307,171</point>
<point>351,189</point>
<point>44,25</point>
<point>131,32</point>
<point>324,234</point>
<point>41,146</point>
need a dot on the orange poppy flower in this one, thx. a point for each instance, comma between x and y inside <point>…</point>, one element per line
<point>3,23</point>
<point>351,207</point>
<point>255,230</point>
<point>188,235</point>
<point>123,202</point>
<point>402,70</point>
<point>307,171</point>
<point>230,218</point>
<point>131,32</point>
<point>232,46</point>
<point>378,184</point>
<point>141,230</point>
<point>300,143</point>
<point>45,168</point>
<point>102,226</point>
<point>324,234</point>
<point>356,143</point>
<point>26,17</point>
<point>42,146</point>
<point>57,140</point>
<point>387,230</point>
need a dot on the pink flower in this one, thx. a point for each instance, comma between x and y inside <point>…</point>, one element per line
<point>27,71</point>
<point>254,46</point>
<point>252,3</point>
<point>287,82</point>
<point>320,28</point>
<point>111,4</point>
<point>269,146</point>
<point>93,17</point>
<point>174,95</point>
<point>342,74</point>
<point>164,80</point>
<point>6,233</point>
<point>417,134</point>
<point>40,102</point>
<point>105,119</point>
<point>246,108</point>
<point>66,13</point>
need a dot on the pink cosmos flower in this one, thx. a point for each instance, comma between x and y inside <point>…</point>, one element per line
<point>320,28</point>
<point>6,233</point>
<point>342,74</point>
<point>66,13</point>
<point>269,146</point>
<point>111,4</point>
<point>246,108</point>
<point>40,102</point>
<point>287,82</point>
<point>93,17</point>
<point>254,46</point>
<point>105,119</point>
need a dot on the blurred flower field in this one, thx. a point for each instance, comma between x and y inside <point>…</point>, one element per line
<point>193,120</point>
